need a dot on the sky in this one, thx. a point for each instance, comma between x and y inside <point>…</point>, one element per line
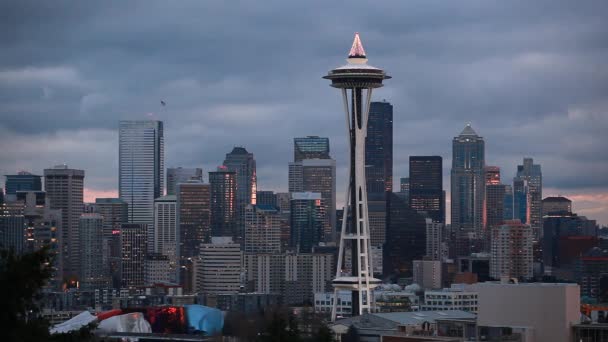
<point>530,76</point>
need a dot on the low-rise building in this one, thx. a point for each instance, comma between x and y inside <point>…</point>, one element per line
<point>534,312</point>
<point>457,297</point>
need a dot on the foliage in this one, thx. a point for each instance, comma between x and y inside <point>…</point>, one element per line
<point>21,279</point>
<point>352,335</point>
<point>324,334</point>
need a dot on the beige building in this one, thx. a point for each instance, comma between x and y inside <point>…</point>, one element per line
<point>511,251</point>
<point>539,312</point>
<point>219,267</point>
<point>427,273</point>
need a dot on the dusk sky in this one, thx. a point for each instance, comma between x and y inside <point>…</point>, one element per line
<point>530,76</point>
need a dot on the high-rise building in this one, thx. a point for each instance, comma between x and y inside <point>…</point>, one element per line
<point>310,147</point>
<point>65,190</point>
<point>508,203</point>
<point>379,148</point>
<point>12,226</point>
<point>317,175</point>
<point>266,198</point>
<point>176,175</point>
<point>426,186</point>
<point>166,233</point>
<point>115,212</point>
<point>406,238</point>
<point>468,181</point>
<point>141,167</point>
<point>566,236</point>
<point>404,189</point>
<point>243,164</point>
<point>427,273</point>
<point>223,202</point>
<point>495,205</point>
<point>356,81</point>
<point>521,199</point>
<point>532,176</point>
<point>376,208</point>
<point>307,215</point>
<point>262,229</point>
<point>93,274</point>
<point>511,251</point>
<point>556,204</point>
<point>158,269</point>
<point>219,268</point>
<point>134,247</point>
<point>22,181</point>
<point>492,175</point>
<point>43,227</point>
<point>434,240</point>
<point>194,224</point>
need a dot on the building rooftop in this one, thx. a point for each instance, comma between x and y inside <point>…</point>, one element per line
<point>556,199</point>
<point>468,130</point>
<point>390,320</point>
<point>239,150</point>
<point>168,198</point>
<point>417,317</point>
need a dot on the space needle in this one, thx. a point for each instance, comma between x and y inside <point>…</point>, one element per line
<point>356,80</point>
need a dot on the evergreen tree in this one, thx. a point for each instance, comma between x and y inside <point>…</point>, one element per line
<point>21,278</point>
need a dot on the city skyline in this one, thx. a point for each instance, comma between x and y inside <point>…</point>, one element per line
<point>521,97</point>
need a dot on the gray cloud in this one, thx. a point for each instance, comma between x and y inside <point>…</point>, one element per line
<point>531,78</point>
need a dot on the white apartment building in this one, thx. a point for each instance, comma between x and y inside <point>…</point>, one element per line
<point>219,267</point>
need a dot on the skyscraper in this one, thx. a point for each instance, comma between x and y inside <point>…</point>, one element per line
<point>468,181</point>
<point>243,164</point>
<point>531,175</point>
<point>407,231</point>
<point>556,204</point>
<point>404,189</point>
<point>379,148</point>
<point>12,226</point>
<point>434,239</point>
<point>223,202</point>
<point>194,224</point>
<point>141,165</point>
<point>133,247</point>
<point>43,228</point>
<point>266,198</point>
<point>115,212</point>
<point>508,203</point>
<point>492,175</point>
<point>93,274</point>
<point>176,175</point>
<point>356,81</point>
<point>495,205</point>
<point>511,251</point>
<point>64,188</point>
<point>219,268</point>
<point>22,181</point>
<point>317,175</point>
<point>307,215</point>
<point>166,233</point>
<point>310,147</point>
<point>426,186</point>
<point>262,229</point>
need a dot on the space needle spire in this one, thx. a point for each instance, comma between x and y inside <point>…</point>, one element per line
<point>356,80</point>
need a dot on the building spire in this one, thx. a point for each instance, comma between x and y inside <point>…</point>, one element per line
<point>357,51</point>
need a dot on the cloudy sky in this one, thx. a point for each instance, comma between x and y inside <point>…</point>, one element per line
<point>531,77</point>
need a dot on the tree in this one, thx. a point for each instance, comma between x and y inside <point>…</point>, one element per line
<point>21,279</point>
<point>324,334</point>
<point>352,335</point>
